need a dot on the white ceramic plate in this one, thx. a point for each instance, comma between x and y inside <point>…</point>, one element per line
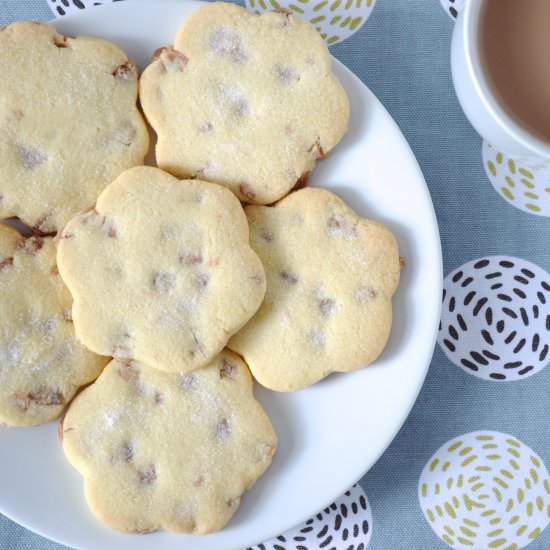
<point>330,434</point>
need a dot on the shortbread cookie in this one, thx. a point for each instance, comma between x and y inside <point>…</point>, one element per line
<point>168,451</point>
<point>161,271</point>
<point>69,122</point>
<point>330,279</point>
<point>246,101</point>
<point>41,363</point>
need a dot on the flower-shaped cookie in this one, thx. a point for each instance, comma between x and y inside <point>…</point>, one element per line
<point>330,279</point>
<point>243,100</point>
<point>69,122</point>
<point>161,271</point>
<point>42,365</point>
<point>168,451</point>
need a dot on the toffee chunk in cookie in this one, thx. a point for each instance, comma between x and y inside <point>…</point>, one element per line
<point>42,364</point>
<point>69,122</point>
<point>243,100</point>
<point>168,451</point>
<point>161,271</point>
<point>330,278</point>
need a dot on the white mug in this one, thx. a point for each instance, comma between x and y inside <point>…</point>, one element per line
<point>478,102</point>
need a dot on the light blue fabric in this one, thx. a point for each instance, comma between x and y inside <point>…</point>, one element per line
<point>402,54</point>
<point>16,10</point>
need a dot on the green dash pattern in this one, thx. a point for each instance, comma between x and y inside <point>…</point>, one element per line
<point>494,492</point>
<point>524,184</point>
<point>335,20</point>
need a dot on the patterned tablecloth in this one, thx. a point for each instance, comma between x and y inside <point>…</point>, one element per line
<point>468,469</point>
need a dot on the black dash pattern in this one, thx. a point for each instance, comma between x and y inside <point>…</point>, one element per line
<point>496,318</point>
<point>62,7</point>
<point>345,524</point>
<point>453,7</point>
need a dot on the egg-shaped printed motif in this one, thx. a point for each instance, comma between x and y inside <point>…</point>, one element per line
<point>61,8</point>
<point>453,7</point>
<point>344,525</point>
<point>495,320</point>
<point>485,490</point>
<point>336,20</point>
<point>522,183</point>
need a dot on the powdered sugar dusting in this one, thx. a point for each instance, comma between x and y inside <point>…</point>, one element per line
<point>185,511</point>
<point>352,234</point>
<point>170,232</point>
<point>110,419</point>
<point>317,338</point>
<point>286,75</point>
<point>31,158</point>
<point>336,224</point>
<point>179,316</point>
<point>227,42</point>
<point>223,429</point>
<point>232,100</point>
<point>164,282</point>
<point>11,355</point>
<point>125,134</point>
<point>36,346</point>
